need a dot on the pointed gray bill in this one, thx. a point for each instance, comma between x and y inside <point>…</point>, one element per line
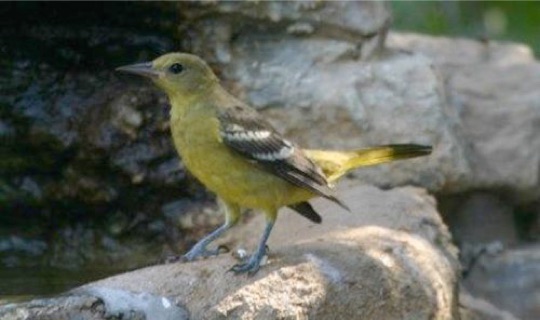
<point>142,69</point>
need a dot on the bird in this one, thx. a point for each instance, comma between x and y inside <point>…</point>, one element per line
<point>238,155</point>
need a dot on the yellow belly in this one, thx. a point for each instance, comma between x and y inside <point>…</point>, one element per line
<point>234,179</point>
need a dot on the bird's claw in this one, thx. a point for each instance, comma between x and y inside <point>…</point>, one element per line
<point>250,267</point>
<point>251,263</point>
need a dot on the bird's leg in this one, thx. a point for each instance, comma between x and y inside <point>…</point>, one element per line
<point>252,264</point>
<point>199,249</point>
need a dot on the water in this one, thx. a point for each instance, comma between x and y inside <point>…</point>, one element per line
<point>20,284</point>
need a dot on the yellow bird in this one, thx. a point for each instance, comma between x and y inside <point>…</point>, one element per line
<point>238,155</point>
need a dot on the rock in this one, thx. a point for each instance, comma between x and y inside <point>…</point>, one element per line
<point>390,258</point>
<point>509,279</point>
<point>500,117</point>
<point>95,304</point>
<point>473,308</point>
<point>482,210</point>
<point>497,115</point>
<point>450,53</point>
<point>62,308</point>
<point>361,23</point>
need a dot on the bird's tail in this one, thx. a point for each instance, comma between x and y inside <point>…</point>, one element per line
<point>337,163</point>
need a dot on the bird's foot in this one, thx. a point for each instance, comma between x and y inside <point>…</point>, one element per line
<point>252,263</point>
<point>250,267</point>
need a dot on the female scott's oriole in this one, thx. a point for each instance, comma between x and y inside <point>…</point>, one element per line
<point>239,156</point>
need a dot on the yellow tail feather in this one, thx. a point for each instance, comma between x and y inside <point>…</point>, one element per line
<point>337,163</point>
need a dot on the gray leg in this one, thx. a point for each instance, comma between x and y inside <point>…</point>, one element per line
<point>199,249</point>
<point>251,266</point>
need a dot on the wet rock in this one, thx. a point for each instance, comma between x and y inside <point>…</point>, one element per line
<point>80,146</point>
<point>13,247</point>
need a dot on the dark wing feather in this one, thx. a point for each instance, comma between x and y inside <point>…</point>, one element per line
<point>246,132</point>
<point>306,210</point>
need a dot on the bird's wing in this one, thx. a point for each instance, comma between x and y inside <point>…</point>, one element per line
<point>246,132</point>
<point>306,210</point>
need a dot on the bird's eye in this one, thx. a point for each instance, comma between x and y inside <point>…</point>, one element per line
<point>176,68</point>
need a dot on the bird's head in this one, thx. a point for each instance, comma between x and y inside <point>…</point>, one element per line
<point>176,73</point>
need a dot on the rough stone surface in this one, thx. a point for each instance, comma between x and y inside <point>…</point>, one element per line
<point>214,27</point>
<point>390,258</point>
<point>94,304</point>
<point>509,279</point>
<point>87,159</point>
<point>448,53</point>
<point>82,307</point>
<point>493,88</point>
<point>473,308</point>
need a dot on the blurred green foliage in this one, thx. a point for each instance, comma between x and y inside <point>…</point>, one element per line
<point>514,21</point>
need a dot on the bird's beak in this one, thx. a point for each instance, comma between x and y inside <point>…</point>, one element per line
<point>142,69</point>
